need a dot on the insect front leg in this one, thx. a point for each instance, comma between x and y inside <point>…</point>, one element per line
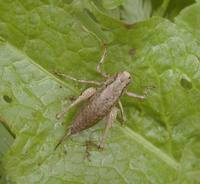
<point>142,97</point>
<point>84,96</point>
<point>110,120</point>
<point>99,70</point>
<point>134,95</point>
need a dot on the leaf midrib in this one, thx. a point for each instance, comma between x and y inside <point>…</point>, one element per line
<point>151,148</point>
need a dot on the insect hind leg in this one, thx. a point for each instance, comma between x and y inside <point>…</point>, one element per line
<point>122,114</point>
<point>110,120</point>
<point>84,96</point>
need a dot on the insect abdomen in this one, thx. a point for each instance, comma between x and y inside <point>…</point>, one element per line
<point>87,117</point>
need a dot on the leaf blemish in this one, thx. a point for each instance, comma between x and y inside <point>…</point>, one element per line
<point>186,83</point>
<point>132,51</point>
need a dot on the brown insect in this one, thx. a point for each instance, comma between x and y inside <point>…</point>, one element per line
<point>101,102</point>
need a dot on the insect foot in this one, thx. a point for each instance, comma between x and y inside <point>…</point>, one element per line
<point>148,89</point>
<point>88,147</point>
<point>100,147</point>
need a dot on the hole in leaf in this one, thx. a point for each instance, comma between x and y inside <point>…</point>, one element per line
<point>132,51</point>
<point>186,83</point>
<point>7,98</point>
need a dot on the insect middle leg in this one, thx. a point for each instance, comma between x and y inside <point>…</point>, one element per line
<point>110,120</point>
<point>122,114</point>
<point>84,96</point>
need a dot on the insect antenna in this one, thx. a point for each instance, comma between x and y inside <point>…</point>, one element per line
<point>102,60</point>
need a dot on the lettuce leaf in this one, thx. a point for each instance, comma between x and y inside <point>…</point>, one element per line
<point>160,143</point>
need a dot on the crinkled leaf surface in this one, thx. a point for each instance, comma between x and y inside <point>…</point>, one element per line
<point>112,4</point>
<point>170,9</point>
<point>6,139</point>
<point>130,11</point>
<point>160,143</point>
<point>174,7</point>
<point>136,10</point>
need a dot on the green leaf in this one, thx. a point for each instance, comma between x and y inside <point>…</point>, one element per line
<point>170,9</point>
<point>6,139</point>
<point>32,114</point>
<point>160,143</point>
<point>112,3</point>
<point>136,10</point>
<point>189,19</point>
<point>162,9</point>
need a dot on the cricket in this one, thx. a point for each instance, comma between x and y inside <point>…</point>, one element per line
<point>102,101</point>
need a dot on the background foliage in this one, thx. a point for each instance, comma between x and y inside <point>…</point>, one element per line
<point>156,41</point>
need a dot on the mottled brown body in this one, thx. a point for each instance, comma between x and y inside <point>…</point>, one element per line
<point>101,103</point>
